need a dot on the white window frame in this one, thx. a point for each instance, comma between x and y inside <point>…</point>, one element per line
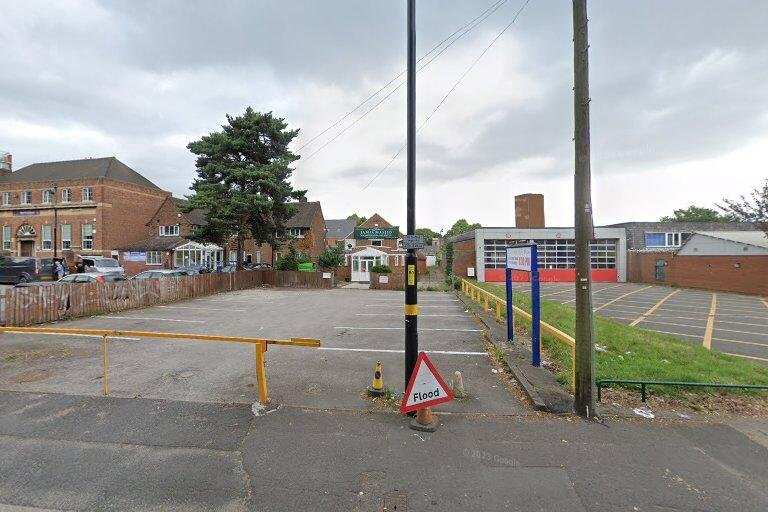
<point>66,195</point>
<point>154,257</point>
<point>66,241</point>
<point>671,238</point>
<point>169,230</point>
<point>295,233</point>
<point>87,191</point>
<point>87,240</point>
<point>47,238</point>
<point>7,198</point>
<point>26,197</point>
<point>48,195</point>
<point>7,238</point>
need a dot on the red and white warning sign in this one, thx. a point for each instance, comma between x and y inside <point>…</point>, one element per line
<point>426,387</point>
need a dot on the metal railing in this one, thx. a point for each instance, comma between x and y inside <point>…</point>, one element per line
<point>605,383</point>
<point>259,344</point>
<point>488,300</point>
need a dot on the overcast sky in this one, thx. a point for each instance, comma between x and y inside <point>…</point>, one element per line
<point>679,97</point>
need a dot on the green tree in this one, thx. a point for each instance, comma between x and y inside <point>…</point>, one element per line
<point>291,259</point>
<point>332,257</point>
<point>697,214</point>
<point>428,235</point>
<point>461,226</point>
<point>242,180</point>
<point>357,219</point>
<point>752,208</point>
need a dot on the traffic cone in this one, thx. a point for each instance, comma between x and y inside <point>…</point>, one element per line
<point>377,383</point>
<point>424,421</point>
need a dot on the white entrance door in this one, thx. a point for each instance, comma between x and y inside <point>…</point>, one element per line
<point>363,262</point>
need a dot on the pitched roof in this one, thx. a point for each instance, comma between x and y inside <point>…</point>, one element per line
<point>305,213</point>
<point>196,217</point>
<point>109,167</point>
<point>756,238</point>
<point>338,228</point>
<point>156,243</point>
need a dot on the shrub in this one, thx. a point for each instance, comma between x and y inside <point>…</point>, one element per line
<point>332,257</point>
<point>291,259</point>
<point>381,269</point>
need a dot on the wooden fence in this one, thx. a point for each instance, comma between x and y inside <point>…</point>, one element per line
<point>48,303</point>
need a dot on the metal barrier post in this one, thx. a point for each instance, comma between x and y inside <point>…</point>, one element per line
<point>261,373</point>
<point>510,304</point>
<point>105,379</point>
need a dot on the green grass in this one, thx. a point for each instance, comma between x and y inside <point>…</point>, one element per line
<point>633,353</point>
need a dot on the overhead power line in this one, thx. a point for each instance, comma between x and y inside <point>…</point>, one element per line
<point>441,47</point>
<point>450,91</point>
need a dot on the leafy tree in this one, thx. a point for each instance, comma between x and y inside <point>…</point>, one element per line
<point>752,208</point>
<point>428,235</point>
<point>461,226</point>
<point>242,180</point>
<point>448,252</point>
<point>358,219</point>
<point>332,257</point>
<point>697,214</point>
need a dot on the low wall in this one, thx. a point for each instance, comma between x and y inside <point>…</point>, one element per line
<point>395,281</point>
<point>49,303</point>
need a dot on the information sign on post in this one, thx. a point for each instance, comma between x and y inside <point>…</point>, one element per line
<point>524,257</point>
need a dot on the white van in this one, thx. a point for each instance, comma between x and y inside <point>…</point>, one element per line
<point>102,265</point>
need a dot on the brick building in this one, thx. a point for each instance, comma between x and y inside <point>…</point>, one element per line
<point>337,230</point>
<point>306,230</point>
<point>481,253</point>
<point>733,261</point>
<point>92,206</point>
<point>669,236</point>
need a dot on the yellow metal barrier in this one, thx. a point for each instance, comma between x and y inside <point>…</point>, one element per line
<point>477,294</point>
<point>259,344</point>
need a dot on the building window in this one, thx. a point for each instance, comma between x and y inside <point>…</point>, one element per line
<point>6,198</point>
<point>47,238</point>
<point>6,238</point>
<point>87,194</point>
<point>666,239</point>
<point>154,258</point>
<point>87,236</point>
<point>376,243</point>
<point>47,196</point>
<point>169,230</point>
<point>66,195</point>
<point>26,197</point>
<point>295,233</point>
<point>66,236</point>
<point>553,253</point>
<point>233,256</point>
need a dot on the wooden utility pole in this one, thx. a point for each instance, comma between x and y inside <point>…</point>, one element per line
<point>585,346</point>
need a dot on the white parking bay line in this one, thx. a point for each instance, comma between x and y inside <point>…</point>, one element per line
<point>400,328</point>
<point>390,351</point>
<point>152,318</point>
<point>203,309</point>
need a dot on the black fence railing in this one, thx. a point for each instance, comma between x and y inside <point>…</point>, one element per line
<point>606,383</point>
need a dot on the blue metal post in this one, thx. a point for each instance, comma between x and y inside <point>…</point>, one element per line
<point>535,309</point>
<point>510,315</point>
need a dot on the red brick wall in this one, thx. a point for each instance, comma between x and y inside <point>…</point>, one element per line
<point>718,273</point>
<point>168,214</point>
<point>396,281</point>
<point>463,257</point>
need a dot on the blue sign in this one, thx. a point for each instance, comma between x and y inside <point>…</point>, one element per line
<point>525,257</point>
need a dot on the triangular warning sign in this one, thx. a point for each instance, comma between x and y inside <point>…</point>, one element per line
<point>426,387</point>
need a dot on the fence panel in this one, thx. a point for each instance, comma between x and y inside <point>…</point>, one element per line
<point>48,303</point>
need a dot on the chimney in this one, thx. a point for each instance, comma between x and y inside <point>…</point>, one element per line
<point>529,211</point>
<point>6,163</point>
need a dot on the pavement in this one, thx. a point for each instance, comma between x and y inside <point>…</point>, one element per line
<point>739,327</point>
<point>178,431</point>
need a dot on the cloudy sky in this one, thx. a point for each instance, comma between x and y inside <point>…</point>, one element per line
<point>679,97</point>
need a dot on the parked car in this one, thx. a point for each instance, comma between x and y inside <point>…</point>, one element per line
<point>160,274</point>
<point>90,277</point>
<point>101,265</point>
<point>17,270</point>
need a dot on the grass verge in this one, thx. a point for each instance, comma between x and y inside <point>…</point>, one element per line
<point>626,352</point>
